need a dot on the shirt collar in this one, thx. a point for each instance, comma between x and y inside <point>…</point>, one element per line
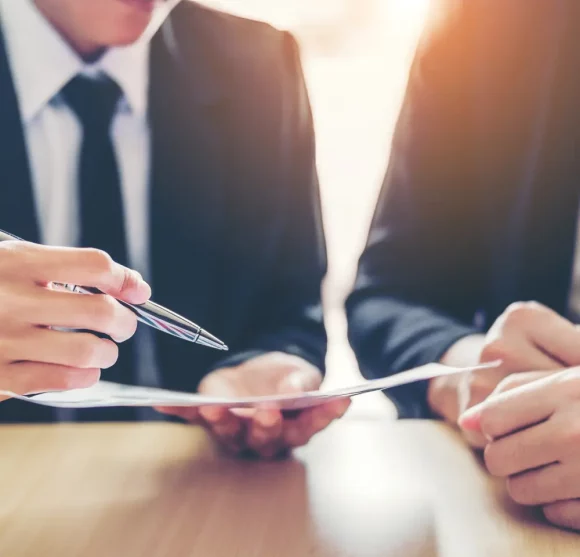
<point>44,65</point>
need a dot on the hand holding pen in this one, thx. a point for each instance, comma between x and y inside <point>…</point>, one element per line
<point>36,358</point>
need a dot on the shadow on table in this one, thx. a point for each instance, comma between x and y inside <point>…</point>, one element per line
<point>210,506</point>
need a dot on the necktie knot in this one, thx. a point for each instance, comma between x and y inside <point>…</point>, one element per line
<point>93,100</point>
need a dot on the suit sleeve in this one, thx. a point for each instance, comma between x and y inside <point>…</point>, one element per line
<point>419,278</point>
<point>289,317</point>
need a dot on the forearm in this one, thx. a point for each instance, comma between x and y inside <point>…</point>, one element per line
<point>390,336</point>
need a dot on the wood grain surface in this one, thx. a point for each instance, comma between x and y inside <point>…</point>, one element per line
<point>363,488</point>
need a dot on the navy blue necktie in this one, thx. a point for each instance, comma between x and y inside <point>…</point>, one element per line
<point>101,215</point>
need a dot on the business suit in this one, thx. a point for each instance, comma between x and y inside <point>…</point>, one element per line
<point>480,202</point>
<point>236,241</point>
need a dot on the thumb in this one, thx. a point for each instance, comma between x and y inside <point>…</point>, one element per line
<point>218,384</point>
<point>300,380</point>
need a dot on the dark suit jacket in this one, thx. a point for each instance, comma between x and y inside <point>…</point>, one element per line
<point>236,237</point>
<point>480,201</point>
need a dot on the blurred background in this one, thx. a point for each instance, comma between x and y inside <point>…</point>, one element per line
<point>356,56</point>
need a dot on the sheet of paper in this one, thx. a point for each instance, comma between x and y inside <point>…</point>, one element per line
<point>105,394</point>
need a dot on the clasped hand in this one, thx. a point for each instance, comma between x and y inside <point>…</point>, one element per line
<point>526,414</point>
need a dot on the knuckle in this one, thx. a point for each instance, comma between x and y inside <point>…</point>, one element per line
<point>85,351</point>
<point>104,311</point>
<point>507,384</point>
<point>17,258</point>
<point>75,379</point>
<point>520,489</point>
<point>497,349</point>
<point>492,460</point>
<point>66,380</point>
<point>553,514</point>
<point>99,261</point>
<point>519,313</point>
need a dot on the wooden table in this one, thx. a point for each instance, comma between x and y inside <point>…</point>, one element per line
<point>361,489</point>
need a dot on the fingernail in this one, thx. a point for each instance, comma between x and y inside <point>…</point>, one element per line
<point>470,419</point>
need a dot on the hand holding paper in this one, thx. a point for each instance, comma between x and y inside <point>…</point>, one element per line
<point>246,407</point>
<point>266,431</point>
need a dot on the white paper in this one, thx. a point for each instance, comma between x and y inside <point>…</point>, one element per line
<point>106,394</point>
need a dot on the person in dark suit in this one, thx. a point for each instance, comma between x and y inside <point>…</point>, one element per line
<point>189,158</point>
<point>473,254</point>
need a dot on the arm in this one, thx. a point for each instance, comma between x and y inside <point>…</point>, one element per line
<point>420,277</point>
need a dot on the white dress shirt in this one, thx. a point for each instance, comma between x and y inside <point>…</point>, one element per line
<point>42,62</point>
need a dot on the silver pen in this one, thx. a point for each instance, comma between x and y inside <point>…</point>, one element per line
<point>151,314</point>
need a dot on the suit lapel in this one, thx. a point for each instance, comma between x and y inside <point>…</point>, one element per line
<point>17,208</point>
<point>187,186</point>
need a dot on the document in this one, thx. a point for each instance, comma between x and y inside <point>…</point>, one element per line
<point>106,394</point>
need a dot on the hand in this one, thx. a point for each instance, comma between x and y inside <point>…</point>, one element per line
<point>533,433</point>
<point>34,358</point>
<point>266,432</point>
<point>527,336</point>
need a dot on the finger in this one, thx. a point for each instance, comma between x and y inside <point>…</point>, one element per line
<point>32,377</point>
<point>512,410</point>
<point>556,336</point>
<point>527,357</point>
<point>229,429</point>
<point>225,426</point>
<point>188,414</point>
<point>215,415</point>
<point>265,428</point>
<point>518,353</point>
<point>550,484</point>
<point>475,439</point>
<point>524,450</point>
<point>98,312</point>
<point>336,409</point>
<point>312,420</point>
<point>78,350</point>
<point>86,267</point>
<point>564,513</point>
<point>519,379</point>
